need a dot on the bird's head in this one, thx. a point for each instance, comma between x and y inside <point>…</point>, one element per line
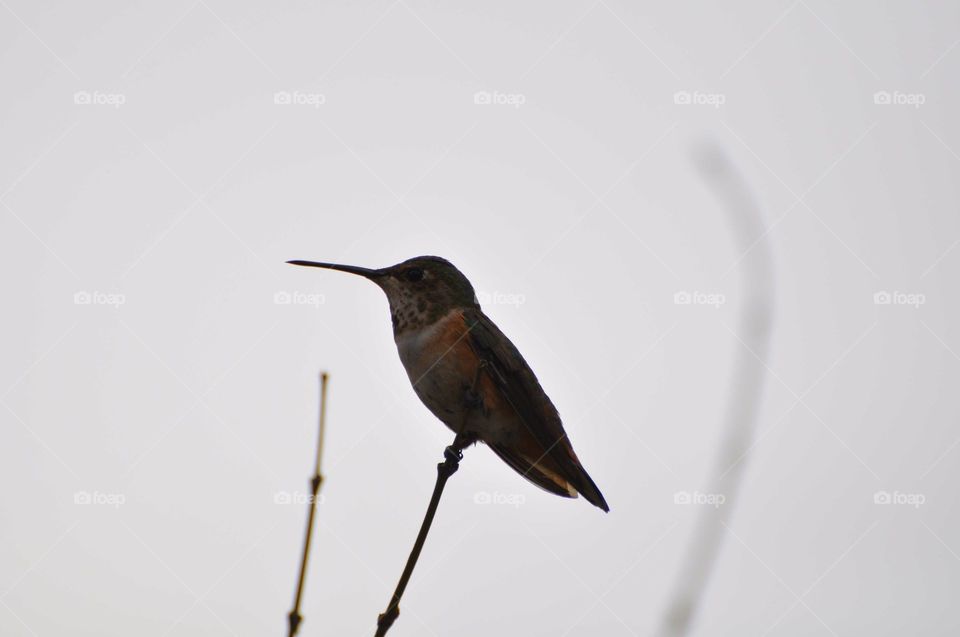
<point>420,290</point>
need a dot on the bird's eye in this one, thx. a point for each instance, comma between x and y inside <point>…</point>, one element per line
<point>414,274</point>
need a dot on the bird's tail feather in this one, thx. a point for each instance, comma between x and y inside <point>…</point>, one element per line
<point>545,472</point>
<point>587,487</point>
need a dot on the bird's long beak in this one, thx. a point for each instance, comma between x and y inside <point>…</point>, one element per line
<point>352,269</point>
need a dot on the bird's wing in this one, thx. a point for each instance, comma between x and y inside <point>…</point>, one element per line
<point>519,386</point>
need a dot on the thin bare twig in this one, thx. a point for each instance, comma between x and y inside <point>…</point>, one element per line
<point>315,481</point>
<point>452,456</point>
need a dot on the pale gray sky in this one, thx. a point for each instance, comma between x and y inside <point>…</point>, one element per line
<point>159,381</point>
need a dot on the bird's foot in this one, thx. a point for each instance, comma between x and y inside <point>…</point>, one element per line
<point>451,461</point>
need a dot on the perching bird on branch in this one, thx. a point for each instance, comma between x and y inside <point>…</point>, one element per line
<point>444,338</point>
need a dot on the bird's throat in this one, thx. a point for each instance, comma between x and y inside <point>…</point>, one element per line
<point>412,312</point>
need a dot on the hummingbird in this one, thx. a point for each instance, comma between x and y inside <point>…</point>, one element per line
<point>471,377</point>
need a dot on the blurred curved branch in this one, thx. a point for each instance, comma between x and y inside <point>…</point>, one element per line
<point>746,391</point>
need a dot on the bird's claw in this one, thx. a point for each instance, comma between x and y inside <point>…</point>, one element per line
<point>452,454</point>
